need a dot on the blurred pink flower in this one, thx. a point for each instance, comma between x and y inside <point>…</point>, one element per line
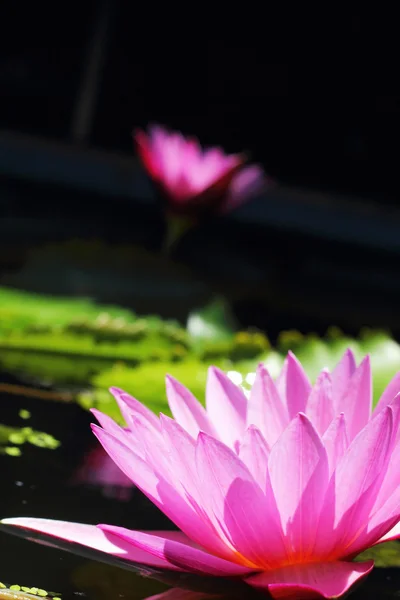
<point>283,488</point>
<point>99,470</point>
<point>196,180</point>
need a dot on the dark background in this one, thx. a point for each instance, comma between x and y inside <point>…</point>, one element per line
<point>312,95</point>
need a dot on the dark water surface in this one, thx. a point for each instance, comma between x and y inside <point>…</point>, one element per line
<point>38,484</point>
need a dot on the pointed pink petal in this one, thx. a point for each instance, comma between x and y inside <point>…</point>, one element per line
<point>382,526</point>
<point>391,480</point>
<point>392,534</point>
<point>178,554</point>
<point>254,453</point>
<point>187,411</point>
<point>335,441</point>
<point>320,403</point>
<point>91,537</point>
<point>385,512</point>
<point>265,407</point>
<point>298,467</point>
<point>143,438</point>
<point>121,433</point>
<point>329,580</point>
<point>293,385</point>
<point>226,407</point>
<point>354,485</point>
<point>356,402</point>
<point>130,407</point>
<point>134,467</point>
<point>155,486</point>
<point>247,517</point>
<point>152,443</point>
<point>391,391</point>
<point>182,456</point>
<point>341,376</point>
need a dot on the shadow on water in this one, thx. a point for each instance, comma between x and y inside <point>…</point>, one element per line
<point>39,483</point>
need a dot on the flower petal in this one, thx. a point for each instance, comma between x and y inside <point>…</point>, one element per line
<point>354,485</point>
<point>335,441</point>
<point>91,537</point>
<point>392,534</point>
<point>356,402</point>
<point>178,553</point>
<point>382,526</point>
<point>226,407</point>
<point>125,435</point>
<point>293,385</point>
<point>390,392</point>
<point>385,512</point>
<point>181,450</point>
<point>254,453</point>
<point>246,515</point>
<point>265,407</point>
<point>329,580</point>
<point>298,467</point>
<point>319,404</point>
<point>156,487</point>
<point>130,407</point>
<point>187,411</point>
<point>341,376</point>
<point>391,480</point>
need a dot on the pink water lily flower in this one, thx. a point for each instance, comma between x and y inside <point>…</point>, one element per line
<point>282,488</point>
<point>196,180</point>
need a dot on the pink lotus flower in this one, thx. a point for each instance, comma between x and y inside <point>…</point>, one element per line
<point>195,181</point>
<point>282,489</point>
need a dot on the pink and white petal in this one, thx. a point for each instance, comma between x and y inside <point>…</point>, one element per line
<point>186,409</point>
<point>293,385</point>
<point>335,441</point>
<point>254,453</point>
<point>318,580</point>
<point>89,536</point>
<point>226,407</point>
<point>246,516</point>
<point>154,447</point>
<point>298,468</point>
<point>391,480</point>
<point>320,403</point>
<point>179,554</point>
<point>390,392</point>
<point>265,408</point>
<point>341,376</point>
<point>182,459</point>
<point>381,526</point>
<point>356,402</point>
<point>391,535</point>
<point>354,485</point>
<point>156,487</point>
<point>142,438</point>
<point>130,407</point>
<point>125,435</point>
